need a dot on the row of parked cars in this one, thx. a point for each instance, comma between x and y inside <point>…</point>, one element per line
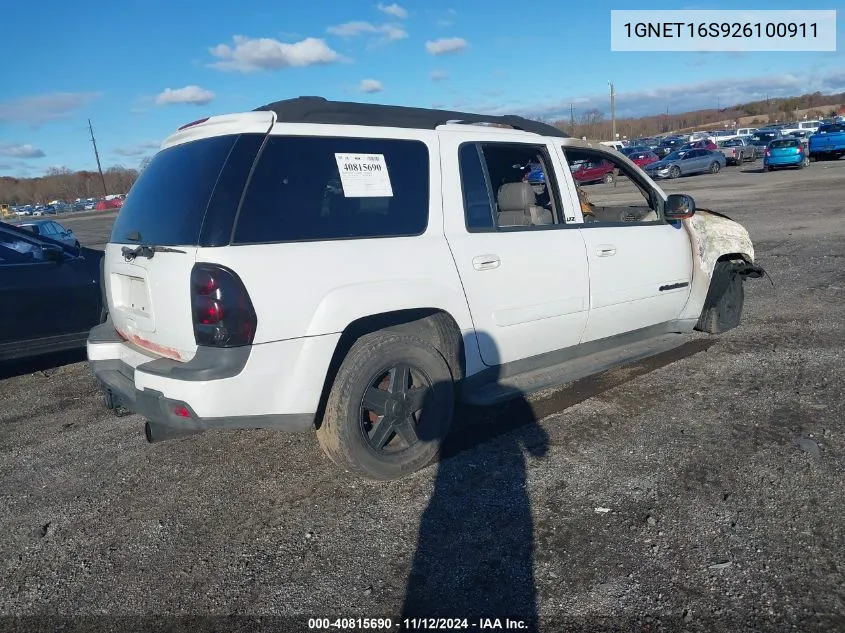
<point>671,157</point>
<point>80,204</point>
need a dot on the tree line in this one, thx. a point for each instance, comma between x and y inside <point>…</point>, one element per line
<point>596,126</point>
<point>59,183</point>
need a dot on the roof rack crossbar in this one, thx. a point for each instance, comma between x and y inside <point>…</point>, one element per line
<point>320,110</point>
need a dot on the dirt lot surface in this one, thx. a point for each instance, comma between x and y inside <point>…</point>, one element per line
<point>699,491</point>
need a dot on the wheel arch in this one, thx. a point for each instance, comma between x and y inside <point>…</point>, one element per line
<point>436,326</point>
<point>713,237</point>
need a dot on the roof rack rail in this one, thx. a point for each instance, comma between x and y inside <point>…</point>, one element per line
<point>321,110</point>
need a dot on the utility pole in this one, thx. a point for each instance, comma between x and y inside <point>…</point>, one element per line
<point>571,119</point>
<point>97,156</point>
<point>612,110</point>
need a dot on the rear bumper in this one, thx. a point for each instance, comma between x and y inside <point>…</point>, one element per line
<point>219,389</point>
<point>784,161</point>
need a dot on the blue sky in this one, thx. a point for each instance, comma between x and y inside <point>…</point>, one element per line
<point>139,70</point>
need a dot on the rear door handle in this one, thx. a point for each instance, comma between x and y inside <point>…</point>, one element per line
<point>606,250</point>
<point>486,262</point>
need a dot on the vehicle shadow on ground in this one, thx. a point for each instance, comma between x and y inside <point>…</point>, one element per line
<point>45,363</point>
<point>475,551</point>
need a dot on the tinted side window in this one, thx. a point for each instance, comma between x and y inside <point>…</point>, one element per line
<point>297,193</point>
<point>167,203</point>
<point>477,206</point>
<point>14,249</point>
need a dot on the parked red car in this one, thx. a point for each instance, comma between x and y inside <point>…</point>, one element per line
<point>601,171</point>
<point>641,159</point>
<point>704,143</point>
<point>108,205</point>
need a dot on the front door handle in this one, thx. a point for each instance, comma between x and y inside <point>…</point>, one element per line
<point>486,262</point>
<point>606,250</point>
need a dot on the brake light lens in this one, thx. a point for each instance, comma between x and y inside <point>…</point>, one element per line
<point>768,152</point>
<point>223,315</point>
<point>800,149</point>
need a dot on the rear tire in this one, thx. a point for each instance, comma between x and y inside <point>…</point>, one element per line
<point>396,380</point>
<point>725,299</point>
<point>715,167</point>
<point>607,179</point>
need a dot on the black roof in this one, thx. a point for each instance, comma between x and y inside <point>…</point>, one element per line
<point>320,110</point>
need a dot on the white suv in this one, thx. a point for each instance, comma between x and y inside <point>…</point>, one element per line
<point>356,268</point>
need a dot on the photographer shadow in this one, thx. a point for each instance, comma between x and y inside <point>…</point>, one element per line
<point>475,551</point>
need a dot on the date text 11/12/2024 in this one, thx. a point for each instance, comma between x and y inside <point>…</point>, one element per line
<point>416,624</point>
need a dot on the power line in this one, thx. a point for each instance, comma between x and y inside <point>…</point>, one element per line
<point>97,156</point>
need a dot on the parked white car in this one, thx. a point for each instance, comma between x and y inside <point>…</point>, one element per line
<point>357,268</point>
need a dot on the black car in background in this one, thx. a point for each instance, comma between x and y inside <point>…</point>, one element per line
<point>669,145</point>
<point>761,139</point>
<point>50,294</point>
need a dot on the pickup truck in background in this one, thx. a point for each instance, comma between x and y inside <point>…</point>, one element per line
<point>828,143</point>
<point>737,151</point>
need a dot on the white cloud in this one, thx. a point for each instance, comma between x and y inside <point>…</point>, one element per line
<point>393,9</point>
<point>250,55</point>
<point>15,150</point>
<point>446,45</point>
<point>390,32</point>
<point>193,95</point>
<point>439,75</point>
<point>43,108</point>
<point>686,97</point>
<point>139,149</point>
<point>370,85</point>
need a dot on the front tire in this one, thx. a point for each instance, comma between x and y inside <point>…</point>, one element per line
<point>607,178</point>
<point>674,171</point>
<point>725,299</point>
<point>389,408</point>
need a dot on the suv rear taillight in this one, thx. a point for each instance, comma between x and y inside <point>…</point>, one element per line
<point>222,311</point>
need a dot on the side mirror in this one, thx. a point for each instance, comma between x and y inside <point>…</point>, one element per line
<point>679,206</point>
<point>53,253</point>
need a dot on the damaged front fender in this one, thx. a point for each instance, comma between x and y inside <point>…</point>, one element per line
<point>714,235</point>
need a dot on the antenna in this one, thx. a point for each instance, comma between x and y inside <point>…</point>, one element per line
<point>97,156</point>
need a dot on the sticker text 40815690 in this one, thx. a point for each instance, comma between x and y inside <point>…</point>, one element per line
<point>364,175</point>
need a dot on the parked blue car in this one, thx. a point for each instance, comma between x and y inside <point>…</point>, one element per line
<point>785,152</point>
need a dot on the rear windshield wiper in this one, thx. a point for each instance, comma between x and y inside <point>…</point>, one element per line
<point>145,250</point>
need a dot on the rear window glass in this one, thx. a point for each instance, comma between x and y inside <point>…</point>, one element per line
<point>765,136</point>
<point>784,143</point>
<point>167,203</point>
<point>829,129</point>
<point>296,192</point>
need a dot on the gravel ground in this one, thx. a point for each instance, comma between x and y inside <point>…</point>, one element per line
<point>696,491</point>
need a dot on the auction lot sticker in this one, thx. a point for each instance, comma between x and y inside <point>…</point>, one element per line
<point>364,175</point>
<point>715,31</point>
